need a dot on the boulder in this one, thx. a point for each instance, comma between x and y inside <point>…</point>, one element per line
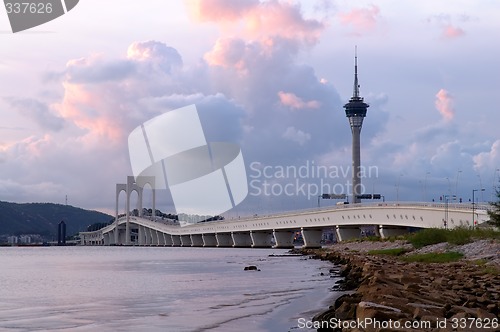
<point>251,268</point>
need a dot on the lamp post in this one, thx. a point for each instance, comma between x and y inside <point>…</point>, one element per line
<point>493,191</point>
<point>446,208</point>
<point>481,186</point>
<point>473,204</point>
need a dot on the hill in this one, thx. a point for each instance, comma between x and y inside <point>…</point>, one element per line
<point>43,218</point>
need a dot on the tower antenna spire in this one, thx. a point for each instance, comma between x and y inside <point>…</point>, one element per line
<point>356,84</point>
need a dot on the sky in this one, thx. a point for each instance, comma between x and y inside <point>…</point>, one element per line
<point>271,76</point>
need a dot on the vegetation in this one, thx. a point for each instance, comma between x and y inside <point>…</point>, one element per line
<point>43,218</point>
<point>388,252</point>
<point>98,225</point>
<point>491,270</point>
<point>427,237</point>
<point>456,236</point>
<point>149,212</point>
<point>445,257</point>
<point>495,212</point>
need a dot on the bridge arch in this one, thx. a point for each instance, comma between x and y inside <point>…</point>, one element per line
<point>133,185</point>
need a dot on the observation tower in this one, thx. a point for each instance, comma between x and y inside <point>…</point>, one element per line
<point>355,110</point>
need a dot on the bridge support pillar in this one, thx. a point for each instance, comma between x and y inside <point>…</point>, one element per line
<point>154,237</point>
<point>127,233</point>
<point>148,236</point>
<point>209,240</point>
<point>283,238</point>
<point>388,231</point>
<point>168,239</point>
<point>241,239</point>
<point>224,239</point>
<point>346,233</point>
<point>121,236</point>
<point>176,240</point>
<point>106,239</point>
<point>312,237</point>
<point>112,238</point>
<point>263,239</point>
<point>196,240</point>
<point>141,237</point>
<point>116,233</point>
<point>185,240</point>
<point>161,238</point>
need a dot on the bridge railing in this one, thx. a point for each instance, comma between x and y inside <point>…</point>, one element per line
<point>450,206</point>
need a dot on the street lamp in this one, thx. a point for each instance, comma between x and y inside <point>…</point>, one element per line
<point>446,208</point>
<point>481,186</point>
<point>493,191</point>
<point>473,204</point>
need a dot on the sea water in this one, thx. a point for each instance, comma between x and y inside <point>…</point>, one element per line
<point>158,289</point>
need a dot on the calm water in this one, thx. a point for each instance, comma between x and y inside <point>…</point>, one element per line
<point>157,289</point>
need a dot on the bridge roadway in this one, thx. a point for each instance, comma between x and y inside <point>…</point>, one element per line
<point>278,231</point>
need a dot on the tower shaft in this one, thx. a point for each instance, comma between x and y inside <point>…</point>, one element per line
<point>356,164</point>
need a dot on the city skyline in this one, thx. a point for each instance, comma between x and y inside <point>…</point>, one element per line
<point>278,74</point>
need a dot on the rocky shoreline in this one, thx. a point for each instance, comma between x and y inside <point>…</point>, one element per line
<point>458,296</point>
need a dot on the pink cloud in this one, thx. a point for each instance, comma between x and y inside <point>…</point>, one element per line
<point>219,10</point>
<point>258,20</point>
<point>450,32</point>
<point>444,104</point>
<point>91,110</point>
<point>362,19</point>
<point>294,102</point>
<point>227,52</point>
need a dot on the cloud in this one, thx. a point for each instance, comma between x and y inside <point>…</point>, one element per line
<point>153,52</point>
<point>488,160</point>
<point>220,10</point>
<point>450,32</point>
<point>95,69</point>
<point>295,135</point>
<point>361,19</point>
<point>102,96</point>
<point>258,20</point>
<point>294,102</point>
<point>38,112</point>
<point>230,52</point>
<point>445,23</point>
<point>444,104</point>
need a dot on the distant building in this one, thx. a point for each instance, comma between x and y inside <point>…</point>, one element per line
<point>61,233</point>
<point>13,239</point>
<point>25,239</point>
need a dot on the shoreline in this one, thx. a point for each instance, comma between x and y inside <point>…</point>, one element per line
<point>434,295</point>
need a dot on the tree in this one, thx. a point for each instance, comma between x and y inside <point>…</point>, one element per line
<point>494,213</point>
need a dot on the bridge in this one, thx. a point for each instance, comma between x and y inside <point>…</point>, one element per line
<point>278,230</point>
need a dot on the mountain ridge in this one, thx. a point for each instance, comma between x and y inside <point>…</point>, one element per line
<point>43,218</point>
